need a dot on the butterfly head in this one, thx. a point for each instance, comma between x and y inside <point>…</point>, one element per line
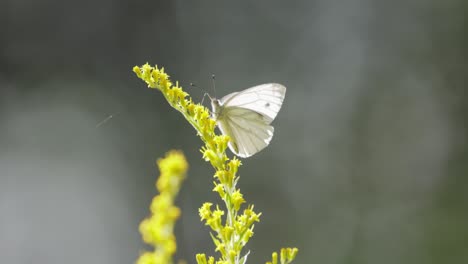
<point>215,107</point>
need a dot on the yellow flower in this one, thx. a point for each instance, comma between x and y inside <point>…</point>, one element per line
<point>219,189</point>
<point>147,258</point>
<point>237,199</point>
<point>205,211</point>
<point>287,255</point>
<point>174,163</point>
<point>274,258</point>
<point>215,220</point>
<point>227,232</point>
<point>158,229</point>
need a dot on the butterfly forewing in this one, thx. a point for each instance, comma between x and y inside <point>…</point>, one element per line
<point>265,99</point>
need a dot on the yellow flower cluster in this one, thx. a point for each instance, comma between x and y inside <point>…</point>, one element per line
<point>197,115</point>
<point>287,255</point>
<point>233,227</point>
<point>157,230</point>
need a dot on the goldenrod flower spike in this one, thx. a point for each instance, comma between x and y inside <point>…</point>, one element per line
<point>157,230</point>
<point>233,227</point>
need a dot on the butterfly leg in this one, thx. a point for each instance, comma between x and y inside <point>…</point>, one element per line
<point>203,98</point>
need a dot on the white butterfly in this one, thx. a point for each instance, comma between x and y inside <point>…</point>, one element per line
<point>246,116</point>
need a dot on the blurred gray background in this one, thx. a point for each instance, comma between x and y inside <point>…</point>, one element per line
<point>369,159</point>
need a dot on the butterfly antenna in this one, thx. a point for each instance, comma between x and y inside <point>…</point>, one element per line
<point>213,79</point>
<point>205,93</point>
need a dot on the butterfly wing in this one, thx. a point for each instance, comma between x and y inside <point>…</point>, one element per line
<point>246,116</point>
<point>249,131</point>
<point>265,99</point>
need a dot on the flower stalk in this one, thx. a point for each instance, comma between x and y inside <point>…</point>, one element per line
<point>232,226</point>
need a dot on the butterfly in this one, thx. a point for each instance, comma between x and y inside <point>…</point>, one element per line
<point>246,116</point>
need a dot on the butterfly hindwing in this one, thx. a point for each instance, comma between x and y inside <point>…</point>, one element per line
<point>249,131</point>
<point>265,99</point>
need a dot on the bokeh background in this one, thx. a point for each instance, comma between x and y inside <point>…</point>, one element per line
<point>368,164</point>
